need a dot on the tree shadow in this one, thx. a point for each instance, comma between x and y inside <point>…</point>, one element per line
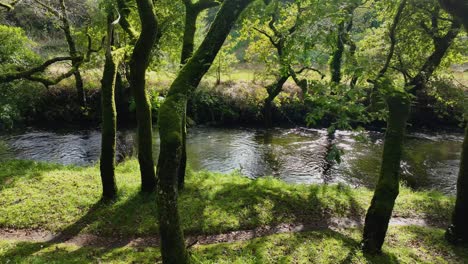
<point>250,204</point>
<point>105,215</point>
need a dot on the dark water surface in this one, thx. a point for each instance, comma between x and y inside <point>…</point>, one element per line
<point>431,161</point>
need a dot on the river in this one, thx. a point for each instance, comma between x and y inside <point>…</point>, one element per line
<point>430,160</point>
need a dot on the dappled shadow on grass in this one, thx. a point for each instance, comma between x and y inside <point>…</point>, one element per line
<point>210,204</point>
<point>245,205</point>
<point>434,207</point>
<point>53,253</point>
<point>248,204</point>
<point>311,247</point>
<point>433,240</point>
<point>105,215</point>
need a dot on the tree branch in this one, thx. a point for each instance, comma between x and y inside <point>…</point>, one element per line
<point>49,82</point>
<point>7,6</point>
<point>322,75</point>
<point>124,11</point>
<point>27,74</point>
<point>204,4</point>
<point>270,37</point>
<point>392,35</point>
<point>90,47</point>
<point>49,9</point>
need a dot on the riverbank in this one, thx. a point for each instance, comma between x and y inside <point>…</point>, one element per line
<point>42,197</point>
<point>230,103</point>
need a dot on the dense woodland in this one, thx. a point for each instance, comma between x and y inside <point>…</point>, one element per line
<point>385,65</point>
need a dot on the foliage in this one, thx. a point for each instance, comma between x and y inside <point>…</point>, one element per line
<point>15,49</point>
<point>340,105</point>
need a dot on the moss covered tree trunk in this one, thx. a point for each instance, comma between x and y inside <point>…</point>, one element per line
<point>192,11</point>
<point>273,91</point>
<point>171,125</point>
<point>337,57</point>
<point>380,211</point>
<point>190,29</point>
<point>458,231</point>
<point>188,46</point>
<point>109,119</point>
<point>138,65</point>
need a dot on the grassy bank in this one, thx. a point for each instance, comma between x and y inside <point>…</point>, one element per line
<point>404,245</point>
<point>58,198</point>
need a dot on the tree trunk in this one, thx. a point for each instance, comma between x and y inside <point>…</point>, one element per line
<point>458,9</point>
<point>80,88</point>
<point>109,120</point>
<point>192,11</point>
<point>73,53</point>
<point>273,91</point>
<point>138,64</point>
<point>183,155</point>
<point>267,112</point>
<point>387,189</point>
<point>458,231</point>
<point>189,34</point>
<point>335,63</point>
<point>171,117</point>
<point>187,51</point>
<point>171,128</point>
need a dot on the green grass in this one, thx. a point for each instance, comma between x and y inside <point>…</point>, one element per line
<point>404,245</point>
<point>60,198</point>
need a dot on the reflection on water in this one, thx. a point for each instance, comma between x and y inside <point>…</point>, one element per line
<point>430,161</point>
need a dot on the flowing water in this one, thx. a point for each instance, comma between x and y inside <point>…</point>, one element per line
<point>430,161</point>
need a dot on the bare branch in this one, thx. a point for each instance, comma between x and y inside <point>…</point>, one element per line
<point>392,35</point>
<point>270,37</point>
<point>124,11</point>
<point>27,74</point>
<point>7,6</point>
<point>49,82</point>
<point>48,8</point>
<point>90,47</point>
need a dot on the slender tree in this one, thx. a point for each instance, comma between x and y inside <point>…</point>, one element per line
<point>109,115</point>
<point>343,38</point>
<point>279,40</point>
<point>192,12</point>
<point>139,63</point>
<point>171,117</point>
<point>62,15</point>
<point>458,230</point>
<point>399,104</point>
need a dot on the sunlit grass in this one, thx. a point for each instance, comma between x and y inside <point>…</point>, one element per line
<point>403,245</point>
<point>57,198</point>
